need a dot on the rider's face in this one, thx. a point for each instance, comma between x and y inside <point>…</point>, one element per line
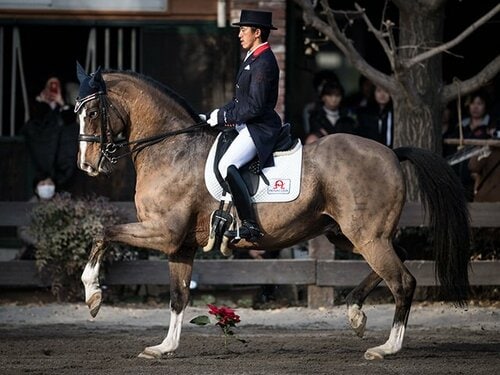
<point>249,38</point>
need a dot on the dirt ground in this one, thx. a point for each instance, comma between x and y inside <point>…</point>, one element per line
<point>62,339</point>
<point>66,349</point>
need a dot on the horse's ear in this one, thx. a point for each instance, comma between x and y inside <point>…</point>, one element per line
<point>80,72</point>
<point>96,81</point>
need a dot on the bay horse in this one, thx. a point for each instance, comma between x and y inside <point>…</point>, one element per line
<point>352,190</point>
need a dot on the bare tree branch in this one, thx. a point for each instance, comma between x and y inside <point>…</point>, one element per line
<point>333,33</point>
<point>452,43</point>
<point>451,91</point>
<point>390,52</point>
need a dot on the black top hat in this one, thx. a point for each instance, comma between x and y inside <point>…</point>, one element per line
<point>256,18</point>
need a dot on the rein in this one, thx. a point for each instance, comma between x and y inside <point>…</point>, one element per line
<point>110,144</point>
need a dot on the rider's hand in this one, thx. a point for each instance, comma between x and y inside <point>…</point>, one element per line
<point>212,121</point>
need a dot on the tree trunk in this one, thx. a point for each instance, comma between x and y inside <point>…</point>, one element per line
<point>418,97</point>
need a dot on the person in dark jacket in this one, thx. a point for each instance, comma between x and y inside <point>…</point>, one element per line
<point>252,113</point>
<point>329,116</point>
<point>376,120</point>
<point>51,135</point>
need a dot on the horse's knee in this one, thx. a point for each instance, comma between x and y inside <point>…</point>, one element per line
<point>401,252</point>
<point>179,297</point>
<point>409,284</point>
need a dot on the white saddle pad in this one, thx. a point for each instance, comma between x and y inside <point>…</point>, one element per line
<point>284,177</point>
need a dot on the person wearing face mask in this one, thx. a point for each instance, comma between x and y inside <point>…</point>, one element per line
<point>44,189</point>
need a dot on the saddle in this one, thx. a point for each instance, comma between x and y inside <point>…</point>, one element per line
<point>222,219</point>
<point>251,171</point>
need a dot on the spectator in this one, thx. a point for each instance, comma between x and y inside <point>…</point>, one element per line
<point>476,125</point>
<point>362,97</point>
<point>329,117</point>
<point>319,81</point>
<point>485,172</point>
<point>51,135</point>
<point>43,190</point>
<point>376,120</point>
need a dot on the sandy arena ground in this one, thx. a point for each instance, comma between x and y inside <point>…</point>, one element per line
<point>63,339</point>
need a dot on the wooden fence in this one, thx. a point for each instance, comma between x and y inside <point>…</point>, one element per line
<point>319,274</point>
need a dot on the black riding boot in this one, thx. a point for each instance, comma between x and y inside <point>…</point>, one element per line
<point>249,229</point>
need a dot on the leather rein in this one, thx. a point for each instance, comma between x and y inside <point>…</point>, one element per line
<point>110,143</point>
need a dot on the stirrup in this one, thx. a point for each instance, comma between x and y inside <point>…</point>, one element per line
<point>248,231</point>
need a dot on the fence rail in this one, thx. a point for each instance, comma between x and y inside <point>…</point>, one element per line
<point>320,275</point>
<point>323,273</point>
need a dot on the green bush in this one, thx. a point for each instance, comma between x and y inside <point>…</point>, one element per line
<point>63,229</point>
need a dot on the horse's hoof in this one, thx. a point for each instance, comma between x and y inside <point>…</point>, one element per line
<point>150,353</point>
<point>357,319</point>
<point>373,355</point>
<point>94,303</point>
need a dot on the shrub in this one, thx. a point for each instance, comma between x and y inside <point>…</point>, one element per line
<point>64,229</point>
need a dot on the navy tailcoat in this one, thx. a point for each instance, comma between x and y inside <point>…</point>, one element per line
<point>254,102</point>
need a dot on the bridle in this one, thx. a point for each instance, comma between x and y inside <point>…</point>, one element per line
<point>111,143</point>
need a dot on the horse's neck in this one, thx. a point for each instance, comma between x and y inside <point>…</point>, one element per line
<point>147,118</point>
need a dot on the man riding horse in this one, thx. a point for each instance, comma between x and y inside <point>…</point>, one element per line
<point>252,113</point>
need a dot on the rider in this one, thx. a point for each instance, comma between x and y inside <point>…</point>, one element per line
<point>252,113</point>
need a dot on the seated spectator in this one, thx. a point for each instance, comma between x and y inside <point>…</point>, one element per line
<point>376,120</point>
<point>329,117</point>
<point>485,172</point>
<point>476,125</point>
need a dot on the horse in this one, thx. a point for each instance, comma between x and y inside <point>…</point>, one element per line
<point>352,190</point>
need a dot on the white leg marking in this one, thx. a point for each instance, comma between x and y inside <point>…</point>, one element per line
<point>171,342</point>
<point>392,346</point>
<point>93,293</point>
<point>357,319</point>
<point>90,279</point>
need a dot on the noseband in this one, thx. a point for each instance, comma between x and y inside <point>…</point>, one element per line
<point>111,143</point>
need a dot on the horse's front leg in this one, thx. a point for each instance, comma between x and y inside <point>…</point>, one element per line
<point>181,267</point>
<point>90,277</point>
<point>145,235</point>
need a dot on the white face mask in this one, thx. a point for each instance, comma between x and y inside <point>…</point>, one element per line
<point>45,191</point>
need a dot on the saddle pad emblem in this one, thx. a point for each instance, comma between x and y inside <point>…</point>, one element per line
<point>279,186</point>
<point>284,177</point>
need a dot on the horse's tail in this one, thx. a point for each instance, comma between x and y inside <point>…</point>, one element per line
<point>444,202</point>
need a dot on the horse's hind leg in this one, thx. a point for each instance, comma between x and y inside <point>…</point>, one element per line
<point>357,296</point>
<point>383,260</point>
<point>180,266</point>
<point>90,277</point>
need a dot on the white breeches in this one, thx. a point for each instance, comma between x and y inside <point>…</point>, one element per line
<point>240,152</point>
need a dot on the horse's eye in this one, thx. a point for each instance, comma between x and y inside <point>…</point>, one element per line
<point>93,114</point>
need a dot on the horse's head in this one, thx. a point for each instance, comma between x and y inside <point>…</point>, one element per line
<point>97,136</point>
